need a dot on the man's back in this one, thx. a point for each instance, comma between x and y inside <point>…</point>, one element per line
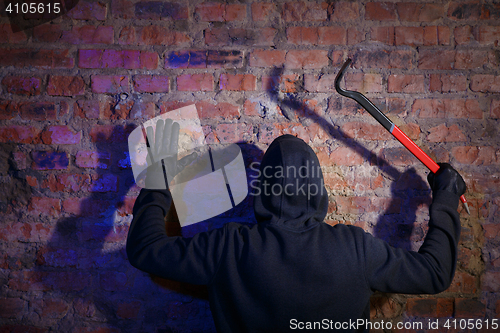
<point>291,269</point>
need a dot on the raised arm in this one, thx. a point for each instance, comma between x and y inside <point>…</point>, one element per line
<point>431,269</point>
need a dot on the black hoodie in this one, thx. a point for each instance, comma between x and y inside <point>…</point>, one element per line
<point>291,270</point>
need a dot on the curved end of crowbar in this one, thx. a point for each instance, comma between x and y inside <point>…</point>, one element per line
<point>340,74</point>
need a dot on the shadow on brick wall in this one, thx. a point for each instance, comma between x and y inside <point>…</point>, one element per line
<point>409,191</point>
<point>88,284</point>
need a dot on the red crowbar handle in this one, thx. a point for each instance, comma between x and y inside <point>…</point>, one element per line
<point>389,125</point>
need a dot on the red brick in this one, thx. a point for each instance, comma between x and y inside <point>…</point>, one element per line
<point>420,12</point>
<point>464,11</point>
<point>19,134</point>
<point>383,59</point>
<point>28,280</point>
<point>363,82</point>
<point>88,34</point>
<point>92,159</point>
<point>65,85</point>
<point>48,33</point>
<point>224,110</point>
<point>110,133</point>
<point>380,11</point>
<point>302,35</point>
<point>345,156</point>
<point>409,84</point>
<point>12,307</point>
<point>66,182</point>
<point>421,307</point>
<point>447,108</point>
<point>262,11</point>
<point>84,206</point>
<point>113,281</point>
<point>237,82</point>
<point>19,85</point>
<point>471,59</point>
<point>111,84</point>
<point>60,134</point>
<point>317,83</point>
<point>157,35</point>
<point>267,58</point>
<point>69,281</point>
<point>85,10</point>
<point>129,310</point>
<point>430,307</point>
<point>289,83</point>
<point>398,156</point>
<point>441,133</point>
<point>345,11</point>
<point>49,160</point>
<point>186,59</point>
<point>151,83</point>
<point>495,108</point>
<point>50,307</point>
<point>8,109</point>
<point>305,11</point>
<point>296,59</point>
<point>195,82</point>
<point>126,206</point>
<point>441,59</point>
<point>211,11</point>
<point>485,155</point>
<point>45,206</point>
<point>410,129</point>
<point>355,36</point>
<point>104,183</point>
<point>447,83</point>
<point>252,108</point>
<point>469,308</point>
<point>129,59</point>
<point>41,59</point>
<point>488,35</point>
<point>485,83</point>
<point>232,133</point>
<point>19,160</point>
<point>332,36</point>
<point>10,36</point>
<point>491,231</point>
<point>40,111</point>
<point>90,109</point>
<point>412,36</point>
<point>463,35</point>
<point>384,35</point>
<point>443,35</point>
<point>365,131</point>
<point>224,59</point>
<point>238,36</point>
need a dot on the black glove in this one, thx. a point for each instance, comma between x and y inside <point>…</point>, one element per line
<point>164,147</point>
<point>446,179</point>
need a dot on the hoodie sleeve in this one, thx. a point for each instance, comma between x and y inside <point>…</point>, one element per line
<point>428,271</point>
<point>150,249</point>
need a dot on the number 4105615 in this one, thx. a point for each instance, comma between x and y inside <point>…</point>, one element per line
<point>33,8</point>
<point>471,324</point>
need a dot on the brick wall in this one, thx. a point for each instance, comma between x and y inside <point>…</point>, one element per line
<point>72,90</point>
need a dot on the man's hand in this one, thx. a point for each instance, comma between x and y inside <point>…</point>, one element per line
<point>162,154</point>
<point>447,179</point>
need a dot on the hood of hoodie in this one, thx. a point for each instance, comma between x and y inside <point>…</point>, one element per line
<point>291,190</point>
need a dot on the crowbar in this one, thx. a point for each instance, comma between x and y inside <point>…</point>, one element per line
<point>389,125</point>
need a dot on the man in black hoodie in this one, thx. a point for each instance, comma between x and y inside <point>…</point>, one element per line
<point>291,270</point>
